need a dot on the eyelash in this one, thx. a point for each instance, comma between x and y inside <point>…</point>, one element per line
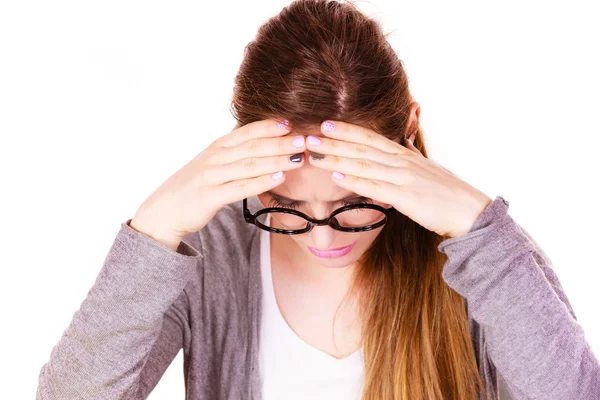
<point>294,205</point>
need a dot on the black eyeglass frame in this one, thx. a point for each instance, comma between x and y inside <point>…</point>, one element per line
<point>311,222</point>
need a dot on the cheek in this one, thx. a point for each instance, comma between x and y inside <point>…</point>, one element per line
<point>363,240</point>
<point>366,238</point>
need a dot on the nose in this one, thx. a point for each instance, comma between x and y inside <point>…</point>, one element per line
<point>323,236</point>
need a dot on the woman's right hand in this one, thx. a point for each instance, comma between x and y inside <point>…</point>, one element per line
<point>239,164</point>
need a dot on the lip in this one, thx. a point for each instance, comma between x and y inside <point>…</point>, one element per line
<point>337,252</point>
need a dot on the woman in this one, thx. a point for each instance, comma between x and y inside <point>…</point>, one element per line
<point>324,256</point>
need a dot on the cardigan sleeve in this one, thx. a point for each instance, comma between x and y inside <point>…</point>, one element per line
<point>531,332</point>
<point>129,327</point>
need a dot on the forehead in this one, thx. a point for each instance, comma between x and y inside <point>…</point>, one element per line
<point>311,184</point>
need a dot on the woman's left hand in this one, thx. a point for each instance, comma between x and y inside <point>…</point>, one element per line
<point>378,168</point>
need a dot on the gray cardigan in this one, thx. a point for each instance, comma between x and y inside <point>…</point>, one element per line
<point>149,301</point>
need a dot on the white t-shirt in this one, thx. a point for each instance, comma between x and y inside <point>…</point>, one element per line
<point>292,369</point>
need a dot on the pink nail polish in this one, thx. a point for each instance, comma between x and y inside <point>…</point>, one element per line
<point>338,175</point>
<point>277,175</point>
<point>313,140</point>
<point>284,124</point>
<point>328,126</point>
<point>298,142</point>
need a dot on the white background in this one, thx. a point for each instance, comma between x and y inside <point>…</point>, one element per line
<point>100,102</point>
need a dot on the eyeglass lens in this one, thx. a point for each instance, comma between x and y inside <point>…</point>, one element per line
<point>355,218</point>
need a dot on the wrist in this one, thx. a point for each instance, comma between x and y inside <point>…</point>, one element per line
<point>165,236</point>
<point>480,202</point>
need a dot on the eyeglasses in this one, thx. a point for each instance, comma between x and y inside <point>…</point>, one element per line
<point>350,218</point>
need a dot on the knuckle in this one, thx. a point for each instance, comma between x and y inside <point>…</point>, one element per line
<point>241,184</point>
<point>249,164</point>
<point>374,184</point>
<point>253,146</point>
<point>282,144</point>
<point>371,136</point>
<point>360,148</point>
<point>362,163</point>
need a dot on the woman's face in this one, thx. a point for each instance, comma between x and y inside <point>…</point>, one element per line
<point>317,196</point>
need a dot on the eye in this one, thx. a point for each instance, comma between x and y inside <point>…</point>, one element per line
<point>275,203</point>
<point>359,200</point>
<point>294,205</point>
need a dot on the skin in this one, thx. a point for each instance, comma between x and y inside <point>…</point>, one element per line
<point>315,186</point>
<point>309,289</point>
<point>357,160</point>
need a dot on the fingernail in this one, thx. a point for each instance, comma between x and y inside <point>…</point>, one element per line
<point>315,141</point>
<point>277,175</point>
<point>296,157</point>
<point>328,126</point>
<point>337,175</point>
<point>284,124</point>
<point>316,156</point>
<point>298,142</point>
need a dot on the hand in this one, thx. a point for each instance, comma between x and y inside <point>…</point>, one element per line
<point>239,164</point>
<point>385,171</point>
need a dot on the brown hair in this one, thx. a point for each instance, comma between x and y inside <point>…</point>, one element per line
<point>323,59</point>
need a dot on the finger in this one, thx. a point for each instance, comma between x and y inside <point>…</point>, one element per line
<point>341,148</point>
<point>248,168</point>
<point>367,169</point>
<point>240,189</point>
<point>359,134</point>
<point>260,147</point>
<point>380,191</point>
<point>256,129</point>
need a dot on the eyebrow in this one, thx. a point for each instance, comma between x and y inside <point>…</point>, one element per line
<point>351,196</point>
